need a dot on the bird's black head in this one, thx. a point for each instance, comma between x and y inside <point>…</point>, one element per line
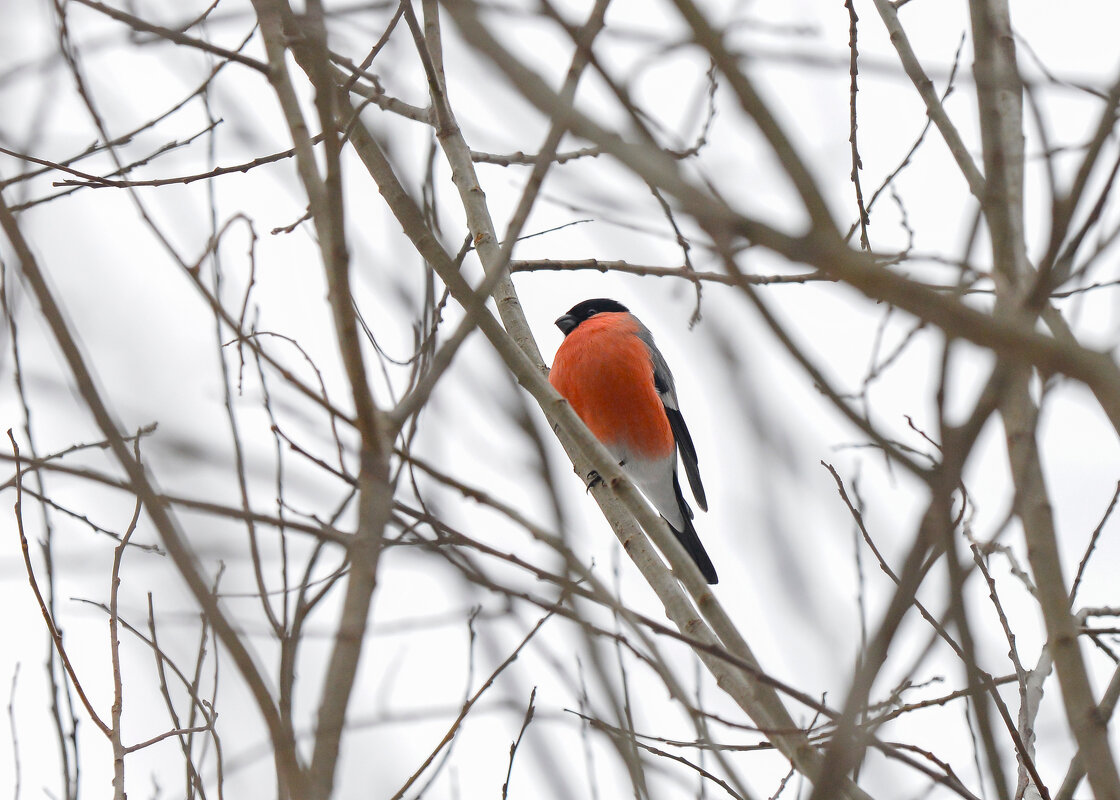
<point>584,311</point>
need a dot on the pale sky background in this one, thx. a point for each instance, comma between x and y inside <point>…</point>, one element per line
<point>776,529</point>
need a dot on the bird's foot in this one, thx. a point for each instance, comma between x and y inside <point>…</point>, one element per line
<point>593,479</point>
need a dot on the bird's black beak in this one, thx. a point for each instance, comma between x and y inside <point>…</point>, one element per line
<point>566,324</point>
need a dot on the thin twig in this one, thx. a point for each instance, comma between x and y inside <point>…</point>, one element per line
<point>170,35</point>
<point>529,711</point>
<point>447,737</point>
<point>56,635</point>
<point>1091,546</point>
<point>857,162</point>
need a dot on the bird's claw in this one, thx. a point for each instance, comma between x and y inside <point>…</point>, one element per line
<point>593,480</point>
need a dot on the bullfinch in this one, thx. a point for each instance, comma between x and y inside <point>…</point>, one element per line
<point>616,379</point>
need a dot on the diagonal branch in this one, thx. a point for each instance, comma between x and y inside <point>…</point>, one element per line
<point>616,495</point>
<point>171,35</point>
<point>934,108</point>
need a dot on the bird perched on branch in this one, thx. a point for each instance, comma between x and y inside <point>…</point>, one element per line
<point>617,381</point>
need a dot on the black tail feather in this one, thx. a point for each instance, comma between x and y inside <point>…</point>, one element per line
<point>691,543</point>
<point>690,540</point>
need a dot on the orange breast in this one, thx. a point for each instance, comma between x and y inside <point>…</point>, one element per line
<point>604,371</point>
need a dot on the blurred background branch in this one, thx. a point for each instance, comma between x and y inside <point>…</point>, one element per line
<point>330,456</point>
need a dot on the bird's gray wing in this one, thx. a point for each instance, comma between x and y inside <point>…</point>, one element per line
<point>666,390</point>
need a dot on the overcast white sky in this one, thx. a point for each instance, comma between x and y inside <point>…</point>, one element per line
<point>776,529</point>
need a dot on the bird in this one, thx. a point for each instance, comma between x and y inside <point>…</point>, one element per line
<point>611,372</point>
